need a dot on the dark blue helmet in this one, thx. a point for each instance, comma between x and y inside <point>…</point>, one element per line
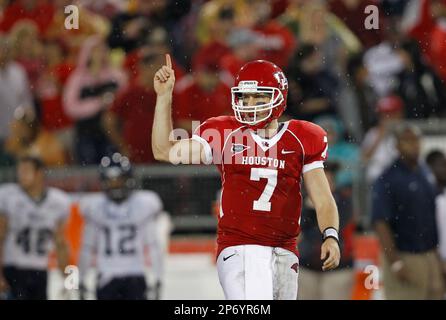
<point>116,177</point>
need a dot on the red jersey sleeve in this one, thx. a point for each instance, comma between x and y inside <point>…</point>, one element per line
<point>315,146</point>
<point>211,134</point>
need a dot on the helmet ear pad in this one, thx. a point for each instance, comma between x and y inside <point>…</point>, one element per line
<point>260,76</point>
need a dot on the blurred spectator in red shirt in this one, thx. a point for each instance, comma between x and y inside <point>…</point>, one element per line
<point>89,91</point>
<point>27,50</point>
<point>156,42</point>
<point>437,50</point>
<point>90,24</point>
<point>50,86</point>
<point>39,11</point>
<point>203,94</point>
<point>278,7</point>
<point>208,23</point>
<point>418,22</point>
<point>425,21</point>
<point>216,20</point>
<point>245,47</point>
<point>129,120</point>
<point>277,41</point>
<point>353,15</point>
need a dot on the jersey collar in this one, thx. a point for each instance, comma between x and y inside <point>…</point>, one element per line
<point>34,200</point>
<point>267,143</point>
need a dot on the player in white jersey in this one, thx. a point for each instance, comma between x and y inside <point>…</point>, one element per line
<point>120,229</point>
<point>32,219</point>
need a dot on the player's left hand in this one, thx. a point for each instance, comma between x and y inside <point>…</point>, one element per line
<point>330,254</point>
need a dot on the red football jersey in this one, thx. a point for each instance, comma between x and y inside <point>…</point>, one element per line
<point>261,195</point>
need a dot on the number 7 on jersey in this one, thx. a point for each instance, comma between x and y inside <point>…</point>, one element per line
<point>263,203</point>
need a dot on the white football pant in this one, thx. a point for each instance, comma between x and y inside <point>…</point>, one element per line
<point>254,272</point>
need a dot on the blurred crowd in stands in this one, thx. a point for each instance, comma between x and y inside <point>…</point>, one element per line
<point>75,95</point>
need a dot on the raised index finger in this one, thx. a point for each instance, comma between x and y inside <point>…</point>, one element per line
<point>168,61</point>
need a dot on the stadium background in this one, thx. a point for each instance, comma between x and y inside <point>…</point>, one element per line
<point>341,76</point>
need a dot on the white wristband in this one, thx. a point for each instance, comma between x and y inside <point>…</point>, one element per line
<point>330,233</point>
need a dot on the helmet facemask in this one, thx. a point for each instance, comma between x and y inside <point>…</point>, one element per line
<point>117,180</point>
<point>258,113</point>
<point>118,188</point>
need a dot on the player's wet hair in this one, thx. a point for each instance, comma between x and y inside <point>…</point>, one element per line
<point>34,160</point>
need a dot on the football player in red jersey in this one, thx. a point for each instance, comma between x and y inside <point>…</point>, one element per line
<point>262,163</point>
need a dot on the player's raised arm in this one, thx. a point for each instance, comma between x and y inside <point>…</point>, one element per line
<point>327,216</point>
<point>164,148</point>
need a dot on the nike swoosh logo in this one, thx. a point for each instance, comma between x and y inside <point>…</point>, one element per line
<point>286,152</point>
<point>226,258</point>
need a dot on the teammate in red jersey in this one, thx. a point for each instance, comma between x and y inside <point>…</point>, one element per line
<point>262,163</point>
